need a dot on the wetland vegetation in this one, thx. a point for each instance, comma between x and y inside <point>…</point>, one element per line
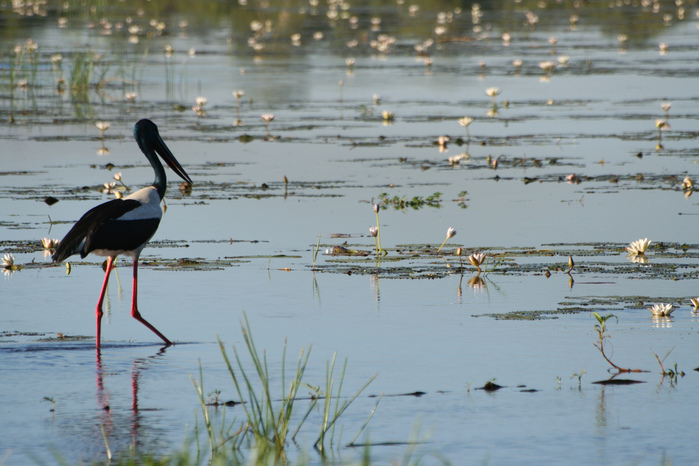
<point>331,145</point>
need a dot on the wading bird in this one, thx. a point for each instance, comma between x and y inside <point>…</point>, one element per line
<point>124,226</point>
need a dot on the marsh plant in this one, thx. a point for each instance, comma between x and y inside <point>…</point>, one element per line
<point>579,377</point>
<point>269,413</point>
<point>603,337</point>
<point>673,373</point>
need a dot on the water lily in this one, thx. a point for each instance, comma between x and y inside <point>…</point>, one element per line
<point>456,159</point>
<point>388,115</point>
<point>662,310</point>
<point>638,247</point>
<point>547,65</point>
<point>477,259</point>
<point>687,183</point>
<point>695,303</point>
<point>492,92</point>
<point>8,261</point>
<point>466,122</point>
<point>49,243</point>
<point>267,118</point>
<point>102,126</point>
<point>442,141</point>
<point>377,230</point>
<point>450,234</point>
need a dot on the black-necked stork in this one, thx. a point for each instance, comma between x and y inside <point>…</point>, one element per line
<point>124,226</point>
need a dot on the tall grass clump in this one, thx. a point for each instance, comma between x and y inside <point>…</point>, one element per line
<point>269,423</point>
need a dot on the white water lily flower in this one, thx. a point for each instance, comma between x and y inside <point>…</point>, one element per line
<point>102,125</point>
<point>638,246</point>
<point>49,243</point>
<point>662,310</point>
<point>477,259</point>
<point>8,261</point>
<point>465,121</point>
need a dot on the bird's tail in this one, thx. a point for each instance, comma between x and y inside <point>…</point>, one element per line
<point>71,244</point>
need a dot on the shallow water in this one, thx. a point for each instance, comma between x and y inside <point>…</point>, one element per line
<point>413,318</point>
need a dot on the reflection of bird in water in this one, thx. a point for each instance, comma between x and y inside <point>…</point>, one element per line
<point>112,422</point>
<point>124,226</point>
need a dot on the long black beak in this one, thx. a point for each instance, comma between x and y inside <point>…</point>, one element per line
<point>170,159</point>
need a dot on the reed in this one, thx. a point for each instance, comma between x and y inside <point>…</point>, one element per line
<point>266,428</point>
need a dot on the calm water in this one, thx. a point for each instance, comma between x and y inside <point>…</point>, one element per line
<point>416,323</point>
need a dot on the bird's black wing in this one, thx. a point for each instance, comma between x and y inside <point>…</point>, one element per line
<point>80,238</point>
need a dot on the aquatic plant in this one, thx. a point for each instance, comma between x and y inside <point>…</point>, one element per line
<point>666,108</point>
<point>601,328</point>
<point>493,92</point>
<point>199,107</point>
<point>379,250</point>
<point>451,232</point>
<point>662,125</point>
<point>315,253</point>
<point>695,303</point>
<point>268,415</point>
<point>102,126</point>
<point>267,118</point>
<point>466,122</point>
<point>49,243</point>
<point>477,259</point>
<point>639,246</point>
<point>662,310</point>
<point>52,401</point>
<point>374,231</point>
<point>417,202</point>
<point>238,94</point>
<point>579,377</point>
<point>8,261</point>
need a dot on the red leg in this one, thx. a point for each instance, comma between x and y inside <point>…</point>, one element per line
<point>98,311</point>
<point>134,306</point>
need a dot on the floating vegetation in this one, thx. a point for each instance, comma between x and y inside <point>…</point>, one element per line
<point>415,203</point>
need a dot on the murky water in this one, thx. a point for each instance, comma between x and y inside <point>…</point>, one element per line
<point>580,171</point>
